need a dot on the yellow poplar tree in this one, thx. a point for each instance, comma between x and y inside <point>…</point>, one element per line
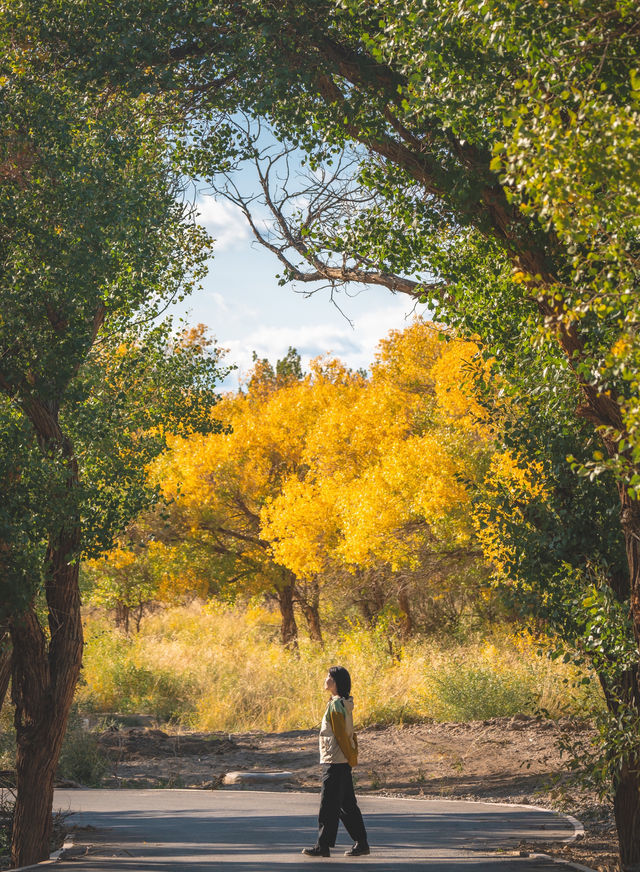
<point>218,485</point>
<point>337,484</point>
<point>386,470</point>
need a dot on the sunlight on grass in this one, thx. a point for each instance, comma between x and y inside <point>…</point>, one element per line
<point>216,668</point>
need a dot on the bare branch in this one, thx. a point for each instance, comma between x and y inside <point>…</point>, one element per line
<point>297,213</point>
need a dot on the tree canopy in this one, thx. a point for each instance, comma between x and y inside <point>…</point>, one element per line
<point>497,142</point>
<point>335,485</point>
<point>94,243</point>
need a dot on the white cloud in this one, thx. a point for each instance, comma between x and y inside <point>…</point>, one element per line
<point>375,325</point>
<point>355,346</point>
<point>219,301</point>
<point>225,222</point>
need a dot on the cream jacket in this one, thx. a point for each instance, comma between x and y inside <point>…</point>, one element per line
<point>338,741</point>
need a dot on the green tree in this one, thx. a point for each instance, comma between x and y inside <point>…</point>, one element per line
<point>93,242</point>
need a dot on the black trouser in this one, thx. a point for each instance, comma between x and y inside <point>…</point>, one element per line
<point>338,802</point>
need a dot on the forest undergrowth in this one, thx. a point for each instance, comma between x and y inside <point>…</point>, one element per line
<point>215,667</point>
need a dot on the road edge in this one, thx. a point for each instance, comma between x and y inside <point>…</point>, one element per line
<point>53,858</point>
<point>578,826</point>
<point>568,863</point>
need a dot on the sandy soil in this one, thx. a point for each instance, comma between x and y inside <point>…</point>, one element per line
<point>501,760</point>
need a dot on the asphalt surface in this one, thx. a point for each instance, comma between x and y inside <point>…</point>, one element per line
<point>255,830</point>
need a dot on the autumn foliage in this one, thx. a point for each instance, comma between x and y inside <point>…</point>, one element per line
<point>334,490</point>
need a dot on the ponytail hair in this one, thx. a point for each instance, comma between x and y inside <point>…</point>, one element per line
<point>342,679</point>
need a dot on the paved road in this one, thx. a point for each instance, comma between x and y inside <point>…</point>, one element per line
<point>251,831</point>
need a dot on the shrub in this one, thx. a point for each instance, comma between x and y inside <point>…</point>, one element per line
<point>81,758</point>
<point>478,692</point>
<point>133,675</point>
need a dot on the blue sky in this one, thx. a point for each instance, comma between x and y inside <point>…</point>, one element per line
<point>246,310</point>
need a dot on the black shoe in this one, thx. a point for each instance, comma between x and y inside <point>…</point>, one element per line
<point>358,850</point>
<point>317,851</point>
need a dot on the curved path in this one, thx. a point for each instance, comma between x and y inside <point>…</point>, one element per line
<point>254,830</point>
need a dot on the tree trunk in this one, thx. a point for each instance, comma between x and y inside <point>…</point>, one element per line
<point>626,806</point>
<point>288,626</point>
<point>36,759</point>
<point>44,681</point>
<point>45,666</point>
<point>626,785</point>
<point>122,617</point>
<point>312,617</point>
<point>626,782</point>
<point>308,598</point>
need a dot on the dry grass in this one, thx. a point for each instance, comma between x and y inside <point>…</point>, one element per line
<point>216,668</point>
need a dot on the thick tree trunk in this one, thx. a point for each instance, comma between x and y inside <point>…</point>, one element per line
<point>627,783</point>
<point>308,598</point>
<point>44,681</point>
<point>312,617</point>
<point>35,758</point>
<point>45,666</point>
<point>288,626</point>
<point>626,806</point>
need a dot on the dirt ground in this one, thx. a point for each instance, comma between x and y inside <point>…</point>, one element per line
<point>501,760</point>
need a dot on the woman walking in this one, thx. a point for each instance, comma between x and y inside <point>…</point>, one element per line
<point>338,754</point>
